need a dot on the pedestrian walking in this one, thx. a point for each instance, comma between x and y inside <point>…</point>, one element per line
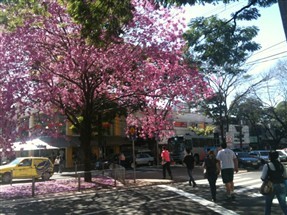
<point>165,161</point>
<point>56,164</point>
<point>210,164</point>
<point>61,164</point>
<point>276,173</point>
<point>228,165</point>
<point>189,163</point>
<point>122,160</point>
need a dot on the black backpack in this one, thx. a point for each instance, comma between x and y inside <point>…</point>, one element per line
<point>276,176</point>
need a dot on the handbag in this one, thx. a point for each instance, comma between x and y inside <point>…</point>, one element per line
<point>267,186</point>
<point>57,161</point>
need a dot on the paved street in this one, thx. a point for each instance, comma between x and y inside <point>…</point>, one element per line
<point>172,198</point>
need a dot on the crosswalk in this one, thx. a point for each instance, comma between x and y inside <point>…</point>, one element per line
<point>241,185</point>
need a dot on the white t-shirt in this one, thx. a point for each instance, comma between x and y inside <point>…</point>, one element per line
<point>226,157</point>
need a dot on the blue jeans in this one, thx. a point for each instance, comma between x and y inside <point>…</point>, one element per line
<point>191,179</point>
<point>212,184</point>
<point>280,192</point>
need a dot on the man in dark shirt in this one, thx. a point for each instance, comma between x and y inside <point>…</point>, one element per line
<point>189,163</point>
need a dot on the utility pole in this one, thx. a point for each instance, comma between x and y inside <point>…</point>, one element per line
<point>240,136</point>
<point>283,11</point>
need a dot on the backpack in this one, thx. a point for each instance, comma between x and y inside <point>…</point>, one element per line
<point>276,176</point>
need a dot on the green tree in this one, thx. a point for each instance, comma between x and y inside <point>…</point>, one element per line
<point>101,20</point>
<point>249,110</point>
<point>273,97</point>
<point>274,121</point>
<point>218,49</point>
<point>215,46</point>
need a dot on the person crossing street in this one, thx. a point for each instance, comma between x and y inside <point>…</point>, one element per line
<point>165,161</point>
<point>189,163</point>
<point>228,165</point>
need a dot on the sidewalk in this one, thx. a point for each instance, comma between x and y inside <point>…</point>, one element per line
<point>68,184</point>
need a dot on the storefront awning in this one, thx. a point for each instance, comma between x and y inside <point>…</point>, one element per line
<point>30,145</point>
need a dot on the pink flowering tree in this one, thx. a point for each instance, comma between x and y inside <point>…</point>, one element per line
<point>56,69</point>
<point>13,90</point>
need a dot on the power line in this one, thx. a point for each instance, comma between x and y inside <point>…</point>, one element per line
<point>218,9</point>
<point>265,59</point>
<point>269,48</point>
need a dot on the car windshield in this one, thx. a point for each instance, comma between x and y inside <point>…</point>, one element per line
<point>16,161</point>
<point>264,153</point>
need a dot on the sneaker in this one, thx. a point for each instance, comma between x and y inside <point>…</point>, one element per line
<point>194,185</point>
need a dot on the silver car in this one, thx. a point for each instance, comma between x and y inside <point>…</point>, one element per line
<point>144,159</point>
<point>282,155</point>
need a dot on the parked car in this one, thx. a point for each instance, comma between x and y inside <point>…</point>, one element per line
<point>27,167</point>
<point>282,155</point>
<point>113,159</point>
<point>144,159</point>
<point>263,155</point>
<point>107,161</point>
<point>246,160</point>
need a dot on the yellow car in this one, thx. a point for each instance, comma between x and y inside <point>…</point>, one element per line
<point>27,167</point>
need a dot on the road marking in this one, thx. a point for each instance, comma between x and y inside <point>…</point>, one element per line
<point>208,204</point>
<point>255,184</point>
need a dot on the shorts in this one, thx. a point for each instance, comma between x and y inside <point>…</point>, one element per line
<point>227,175</point>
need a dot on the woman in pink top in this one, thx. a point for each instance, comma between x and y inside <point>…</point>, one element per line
<point>165,161</point>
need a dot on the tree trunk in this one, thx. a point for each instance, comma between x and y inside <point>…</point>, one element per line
<point>85,135</point>
<point>86,145</point>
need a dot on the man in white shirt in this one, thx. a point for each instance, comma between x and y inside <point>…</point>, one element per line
<point>228,164</point>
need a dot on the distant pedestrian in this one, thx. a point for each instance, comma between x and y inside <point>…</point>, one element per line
<point>189,163</point>
<point>122,159</point>
<point>276,173</point>
<point>61,164</point>
<point>228,164</point>
<point>165,161</point>
<point>211,166</point>
<point>56,164</point>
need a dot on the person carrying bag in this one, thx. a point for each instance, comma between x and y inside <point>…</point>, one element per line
<point>267,186</point>
<point>276,173</point>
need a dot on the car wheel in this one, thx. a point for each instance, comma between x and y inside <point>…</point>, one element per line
<point>46,176</point>
<point>7,178</point>
<point>150,163</point>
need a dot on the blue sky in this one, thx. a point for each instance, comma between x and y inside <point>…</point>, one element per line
<point>271,34</point>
